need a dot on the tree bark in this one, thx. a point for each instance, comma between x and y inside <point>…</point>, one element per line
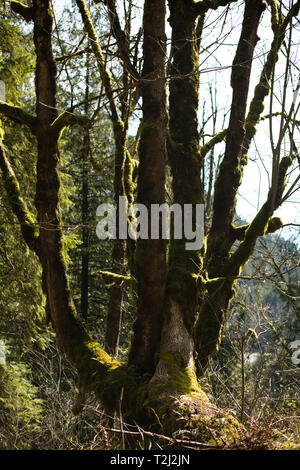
<point>185,162</point>
<point>160,383</point>
<point>151,254</point>
<point>212,313</point>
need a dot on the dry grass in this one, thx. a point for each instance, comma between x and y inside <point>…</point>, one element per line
<point>255,436</point>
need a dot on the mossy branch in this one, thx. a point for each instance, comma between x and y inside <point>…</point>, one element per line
<point>216,139</point>
<point>67,119</point>
<point>98,372</point>
<point>209,324</point>
<point>113,279</point>
<point>294,11</point>
<point>263,87</point>
<point>231,168</point>
<point>27,222</point>
<point>26,12</point>
<point>239,232</point>
<point>276,15</point>
<point>131,165</point>
<point>261,224</point>
<point>66,57</point>
<point>18,115</point>
<point>274,224</point>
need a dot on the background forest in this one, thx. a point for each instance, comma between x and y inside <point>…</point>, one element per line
<point>252,375</point>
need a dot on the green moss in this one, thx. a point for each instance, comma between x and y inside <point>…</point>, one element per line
<point>98,372</point>
<point>181,377</point>
<point>113,279</point>
<point>284,165</point>
<point>211,285</point>
<point>28,224</point>
<point>262,89</point>
<point>106,377</point>
<point>181,406</point>
<point>274,15</point>
<point>212,142</point>
<point>66,119</point>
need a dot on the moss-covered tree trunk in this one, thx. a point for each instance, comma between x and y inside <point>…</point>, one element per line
<point>151,254</point>
<point>184,158</point>
<point>182,298</point>
<point>44,235</point>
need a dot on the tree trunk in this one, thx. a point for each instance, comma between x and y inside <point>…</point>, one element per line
<point>184,158</point>
<point>151,254</point>
<point>159,385</point>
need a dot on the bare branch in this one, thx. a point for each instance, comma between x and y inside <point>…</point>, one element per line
<point>114,279</point>
<point>120,37</point>
<point>95,45</point>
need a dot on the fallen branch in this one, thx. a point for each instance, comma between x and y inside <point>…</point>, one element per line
<point>170,440</point>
